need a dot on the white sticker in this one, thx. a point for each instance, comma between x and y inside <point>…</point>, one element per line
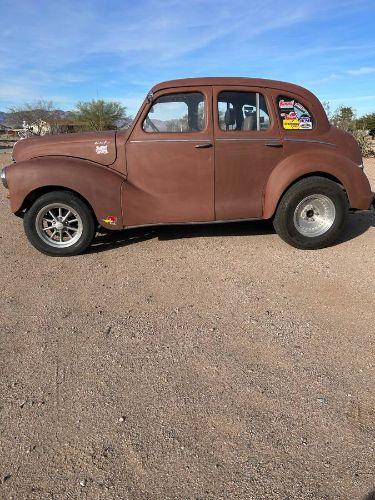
<point>299,106</point>
<point>102,150</point>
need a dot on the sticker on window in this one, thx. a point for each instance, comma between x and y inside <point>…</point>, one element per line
<point>283,104</point>
<point>294,115</point>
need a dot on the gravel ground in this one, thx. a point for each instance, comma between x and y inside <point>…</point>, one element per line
<point>203,362</point>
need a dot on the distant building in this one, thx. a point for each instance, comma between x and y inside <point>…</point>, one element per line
<point>4,129</point>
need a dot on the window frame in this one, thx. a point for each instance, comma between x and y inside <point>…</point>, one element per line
<point>169,92</point>
<point>245,90</point>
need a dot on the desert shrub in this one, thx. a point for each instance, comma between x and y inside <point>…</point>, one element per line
<point>364,141</point>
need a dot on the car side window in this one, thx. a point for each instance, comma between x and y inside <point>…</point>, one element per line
<point>293,114</point>
<point>176,113</point>
<point>245,111</point>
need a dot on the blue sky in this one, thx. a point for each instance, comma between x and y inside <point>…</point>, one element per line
<point>78,50</point>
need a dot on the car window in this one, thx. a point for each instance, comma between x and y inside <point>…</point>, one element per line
<point>293,114</point>
<point>176,113</point>
<point>245,111</point>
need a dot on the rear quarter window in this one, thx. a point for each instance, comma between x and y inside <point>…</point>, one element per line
<point>293,114</point>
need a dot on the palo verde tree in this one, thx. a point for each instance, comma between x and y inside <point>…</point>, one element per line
<point>345,118</point>
<point>100,115</point>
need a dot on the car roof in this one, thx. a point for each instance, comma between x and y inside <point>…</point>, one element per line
<point>232,81</point>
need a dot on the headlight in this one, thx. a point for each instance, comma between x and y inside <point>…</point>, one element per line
<point>4,178</point>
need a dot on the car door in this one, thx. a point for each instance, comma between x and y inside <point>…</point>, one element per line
<point>248,146</point>
<point>170,160</point>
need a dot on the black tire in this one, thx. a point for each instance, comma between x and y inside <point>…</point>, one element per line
<point>284,220</point>
<point>87,224</point>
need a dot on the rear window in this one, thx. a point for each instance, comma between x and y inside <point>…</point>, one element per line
<point>293,114</point>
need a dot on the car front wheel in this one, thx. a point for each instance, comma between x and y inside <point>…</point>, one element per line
<point>59,223</point>
<point>312,213</point>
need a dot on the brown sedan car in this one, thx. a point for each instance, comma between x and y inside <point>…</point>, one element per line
<point>199,150</point>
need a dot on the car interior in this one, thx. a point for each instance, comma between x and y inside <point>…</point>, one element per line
<point>238,111</point>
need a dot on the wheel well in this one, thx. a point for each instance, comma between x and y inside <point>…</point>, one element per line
<point>37,193</point>
<point>310,174</point>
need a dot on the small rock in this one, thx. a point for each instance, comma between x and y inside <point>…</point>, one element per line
<point>323,401</point>
<point>6,477</point>
<point>121,419</point>
<point>82,482</point>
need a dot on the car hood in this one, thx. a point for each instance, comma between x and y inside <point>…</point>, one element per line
<point>99,147</point>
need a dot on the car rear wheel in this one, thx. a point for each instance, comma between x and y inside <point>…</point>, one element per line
<point>312,213</point>
<point>59,223</point>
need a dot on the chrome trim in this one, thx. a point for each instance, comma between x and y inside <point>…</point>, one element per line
<point>257,110</point>
<point>310,140</point>
<point>248,139</point>
<point>172,140</point>
<point>4,178</point>
<point>195,223</point>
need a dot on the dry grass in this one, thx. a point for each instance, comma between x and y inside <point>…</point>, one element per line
<point>5,159</point>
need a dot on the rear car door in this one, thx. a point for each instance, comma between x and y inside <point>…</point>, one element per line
<point>248,145</point>
<point>170,160</point>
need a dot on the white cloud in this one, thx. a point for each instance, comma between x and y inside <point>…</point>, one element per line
<point>364,70</point>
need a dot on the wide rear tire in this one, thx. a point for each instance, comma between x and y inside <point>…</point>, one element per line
<point>312,213</point>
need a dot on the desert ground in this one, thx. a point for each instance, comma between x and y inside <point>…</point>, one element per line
<point>208,362</point>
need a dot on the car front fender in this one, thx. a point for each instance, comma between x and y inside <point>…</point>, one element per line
<point>100,186</point>
<point>327,163</point>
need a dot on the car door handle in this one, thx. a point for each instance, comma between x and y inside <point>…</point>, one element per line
<point>274,144</point>
<point>205,145</point>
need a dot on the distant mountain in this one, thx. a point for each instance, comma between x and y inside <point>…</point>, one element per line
<point>3,117</point>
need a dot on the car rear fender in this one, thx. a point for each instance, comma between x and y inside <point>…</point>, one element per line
<point>100,186</point>
<point>328,164</point>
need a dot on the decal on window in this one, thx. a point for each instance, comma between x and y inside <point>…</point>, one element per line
<point>286,104</point>
<point>294,115</point>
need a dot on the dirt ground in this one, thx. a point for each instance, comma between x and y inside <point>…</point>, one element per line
<point>207,362</point>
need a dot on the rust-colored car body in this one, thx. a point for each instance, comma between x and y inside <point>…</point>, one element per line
<point>134,177</point>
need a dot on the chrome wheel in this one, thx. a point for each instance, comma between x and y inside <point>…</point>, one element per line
<point>314,215</point>
<point>59,225</point>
